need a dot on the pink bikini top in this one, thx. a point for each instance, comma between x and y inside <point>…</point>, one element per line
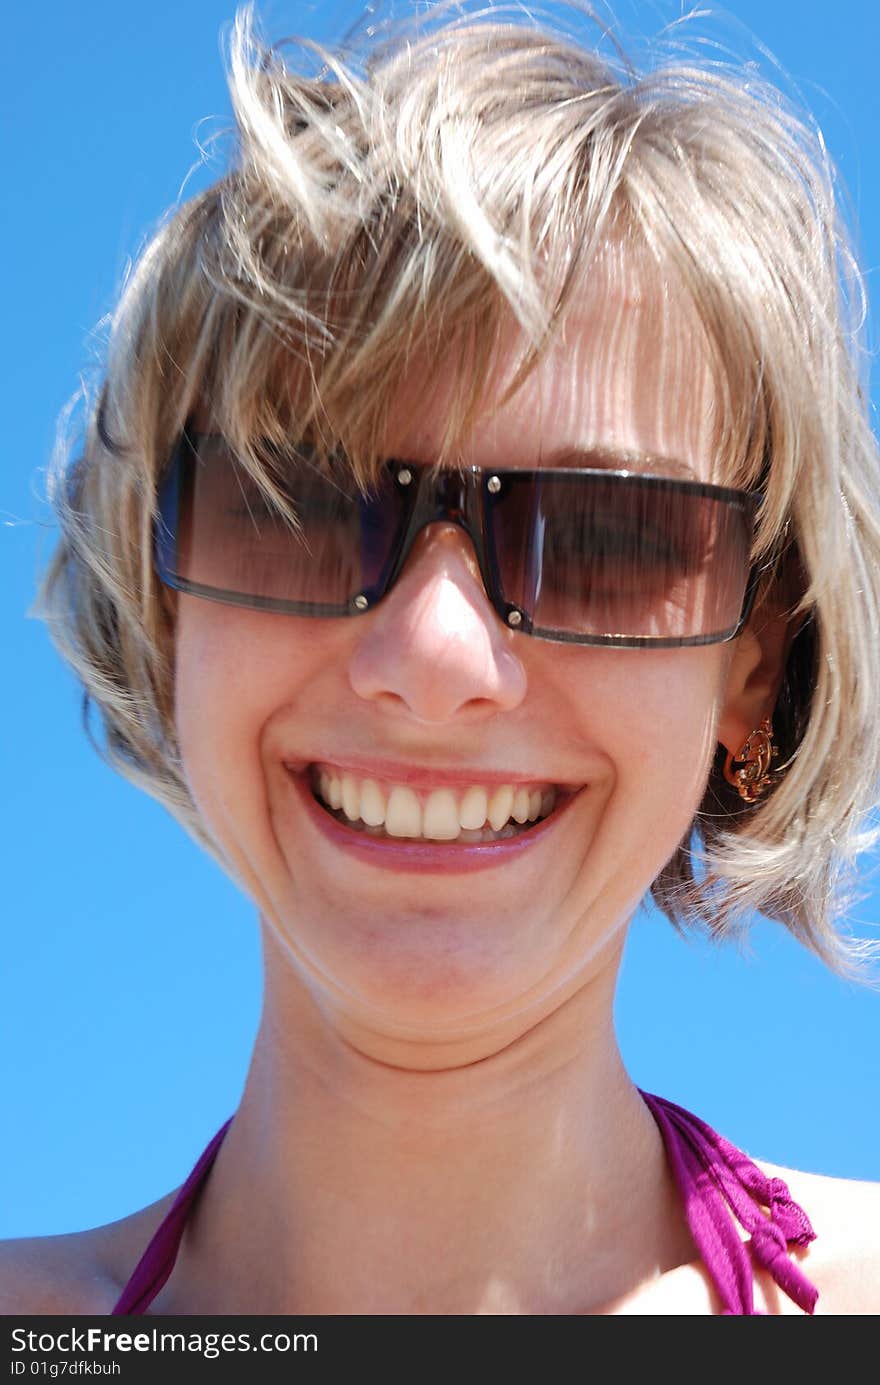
<point>719,1186</point>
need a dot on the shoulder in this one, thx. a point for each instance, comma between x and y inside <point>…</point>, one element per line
<point>81,1273</point>
<point>844,1260</point>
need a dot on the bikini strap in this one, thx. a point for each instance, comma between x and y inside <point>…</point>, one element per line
<point>157,1261</point>
<point>714,1179</point>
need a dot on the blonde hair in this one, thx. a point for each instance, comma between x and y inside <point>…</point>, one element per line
<point>409,202</point>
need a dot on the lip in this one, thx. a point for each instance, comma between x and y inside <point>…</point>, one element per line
<point>441,858</point>
<point>426,778</point>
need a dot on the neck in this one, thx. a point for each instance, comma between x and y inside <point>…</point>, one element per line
<point>531,1180</point>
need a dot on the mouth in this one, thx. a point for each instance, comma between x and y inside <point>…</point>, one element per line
<point>468,815</point>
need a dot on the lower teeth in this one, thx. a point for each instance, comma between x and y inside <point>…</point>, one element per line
<point>480,834</point>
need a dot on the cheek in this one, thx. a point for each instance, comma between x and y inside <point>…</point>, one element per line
<point>213,691</point>
<point>659,712</point>
<point>665,729</point>
<point>236,670</point>
<point>675,723</point>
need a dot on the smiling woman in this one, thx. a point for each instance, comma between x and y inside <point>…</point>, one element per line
<point>491,428</point>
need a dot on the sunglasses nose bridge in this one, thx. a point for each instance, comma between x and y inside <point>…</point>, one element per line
<point>449,499</point>
<point>449,494</point>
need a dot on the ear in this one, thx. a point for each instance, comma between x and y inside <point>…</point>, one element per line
<point>755,673</point>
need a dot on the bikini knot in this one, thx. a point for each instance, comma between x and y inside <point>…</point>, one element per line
<point>787,1216</point>
<point>777,1190</point>
<point>769,1242</point>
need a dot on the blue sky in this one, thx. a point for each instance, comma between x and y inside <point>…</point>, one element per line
<point>130,984</point>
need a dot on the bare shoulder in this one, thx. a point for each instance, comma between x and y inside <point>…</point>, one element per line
<point>81,1272</point>
<point>844,1260</point>
<point>55,1274</point>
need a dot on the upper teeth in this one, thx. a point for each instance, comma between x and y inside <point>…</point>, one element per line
<point>439,815</point>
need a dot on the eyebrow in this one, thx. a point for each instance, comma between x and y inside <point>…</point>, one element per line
<point>618,459</point>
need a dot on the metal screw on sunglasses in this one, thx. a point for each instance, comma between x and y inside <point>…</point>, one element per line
<point>590,556</point>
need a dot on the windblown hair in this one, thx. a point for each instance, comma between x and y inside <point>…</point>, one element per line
<point>413,199</point>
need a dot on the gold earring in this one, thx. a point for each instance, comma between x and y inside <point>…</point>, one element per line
<point>753,775</point>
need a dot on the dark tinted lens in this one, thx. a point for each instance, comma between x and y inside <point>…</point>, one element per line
<point>231,541</point>
<point>629,556</point>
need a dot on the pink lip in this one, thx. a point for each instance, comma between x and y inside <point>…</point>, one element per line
<point>445,858</point>
<point>423,777</point>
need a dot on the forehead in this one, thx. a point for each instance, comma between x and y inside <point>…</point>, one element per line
<point>628,374</point>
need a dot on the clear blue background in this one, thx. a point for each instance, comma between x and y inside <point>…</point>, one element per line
<point>130,966</point>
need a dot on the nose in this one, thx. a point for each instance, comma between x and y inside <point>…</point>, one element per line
<point>434,647</point>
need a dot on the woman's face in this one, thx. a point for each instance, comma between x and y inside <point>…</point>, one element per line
<point>432,680</point>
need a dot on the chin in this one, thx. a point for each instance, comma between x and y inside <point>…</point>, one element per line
<point>424,975</point>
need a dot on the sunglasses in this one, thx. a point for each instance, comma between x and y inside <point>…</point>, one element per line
<point>587,556</point>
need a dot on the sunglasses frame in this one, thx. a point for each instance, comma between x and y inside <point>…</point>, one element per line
<point>461,496</point>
